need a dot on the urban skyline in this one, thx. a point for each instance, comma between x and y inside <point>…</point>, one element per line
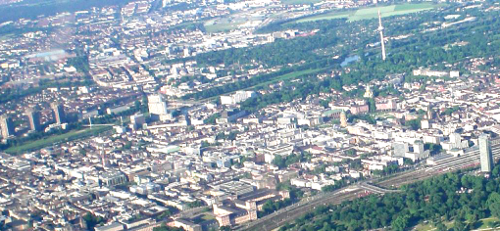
<point>170,115</point>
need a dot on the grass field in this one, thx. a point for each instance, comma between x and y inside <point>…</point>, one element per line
<point>218,25</point>
<point>293,2</point>
<point>486,222</point>
<point>483,224</point>
<point>38,144</point>
<point>371,12</point>
<point>292,75</point>
<point>423,227</point>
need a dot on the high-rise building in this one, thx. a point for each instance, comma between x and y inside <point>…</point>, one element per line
<point>381,30</point>
<point>137,120</point>
<point>157,105</point>
<point>418,147</point>
<point>485,155</point>
<point>59,115</point>
<point>343,119</point>
<point>34,119</point>
<point>430,113</point>
<point>6,125</point>
<point>400,149</point>
<point>456,140</point>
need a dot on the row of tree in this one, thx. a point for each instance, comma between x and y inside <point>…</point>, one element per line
<point>459,198</point>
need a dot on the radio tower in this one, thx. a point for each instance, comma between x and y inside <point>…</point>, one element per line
<point>381,30</point>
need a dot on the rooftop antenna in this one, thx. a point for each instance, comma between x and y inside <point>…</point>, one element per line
<point>381,31</point>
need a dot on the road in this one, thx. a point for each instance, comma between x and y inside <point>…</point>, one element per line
<point>290,213</point>
<point>375,189</point>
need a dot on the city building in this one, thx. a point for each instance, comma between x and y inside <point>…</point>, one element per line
<point>7,126</point>
<point>400,148</point>
<point>485,155</point>
<point>343,119</point>
<point>112,178</point>
<point>158,107</point>
<point>237,97</point>
<point>137,120</point>
<point>59,114</point>
<point>34,119</point>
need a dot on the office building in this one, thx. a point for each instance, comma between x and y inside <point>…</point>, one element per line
<point>157,105</point>
<point>6,125</point>
<point>418,147</point>
<point>456,140</point>
<point>34,119</point>
<point>485,155</point>
<point>137,120</point>
<point>400,149</point>
<point>58,110</point>
<point>237,97</point>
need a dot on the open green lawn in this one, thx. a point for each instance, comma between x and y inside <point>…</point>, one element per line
<point>424,227</point>
<point>224,24</point>
<point>292,2</point>
<point>487,222</point>
<point>483,224</point>
<point>371,12</point>
<point>327,16</point>
<point>207,217</point>
<point>289,76</point>
<point>73,135</point>
<point>220,27</point>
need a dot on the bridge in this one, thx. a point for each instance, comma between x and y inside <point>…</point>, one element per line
<point>375,189</point>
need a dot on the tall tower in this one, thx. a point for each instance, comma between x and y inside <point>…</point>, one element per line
<point>343,119</point>
<point>381,30</point>
<point>485,155</point>
<point>368,92</point>
<point>59,115</point>
<point>6,125</point>
<point>34,119</point>
<point>430,113</point>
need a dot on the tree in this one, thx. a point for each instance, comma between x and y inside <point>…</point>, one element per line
<point>441,227</point>
<point>279,161</point>
<point>92,221</point>
<point>163,227</point>
<point>400,223</point>
<point>493,203</point>
<point>324,103</point>
<point>459,225</point>
<point>413,124</point>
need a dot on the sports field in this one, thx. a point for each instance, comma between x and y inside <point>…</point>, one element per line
<point>371,12</point>
<point>223,24</point>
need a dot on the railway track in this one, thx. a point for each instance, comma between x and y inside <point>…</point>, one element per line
<point>282,217</point>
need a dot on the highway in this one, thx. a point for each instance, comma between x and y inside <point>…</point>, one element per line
<point>380,186</point>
